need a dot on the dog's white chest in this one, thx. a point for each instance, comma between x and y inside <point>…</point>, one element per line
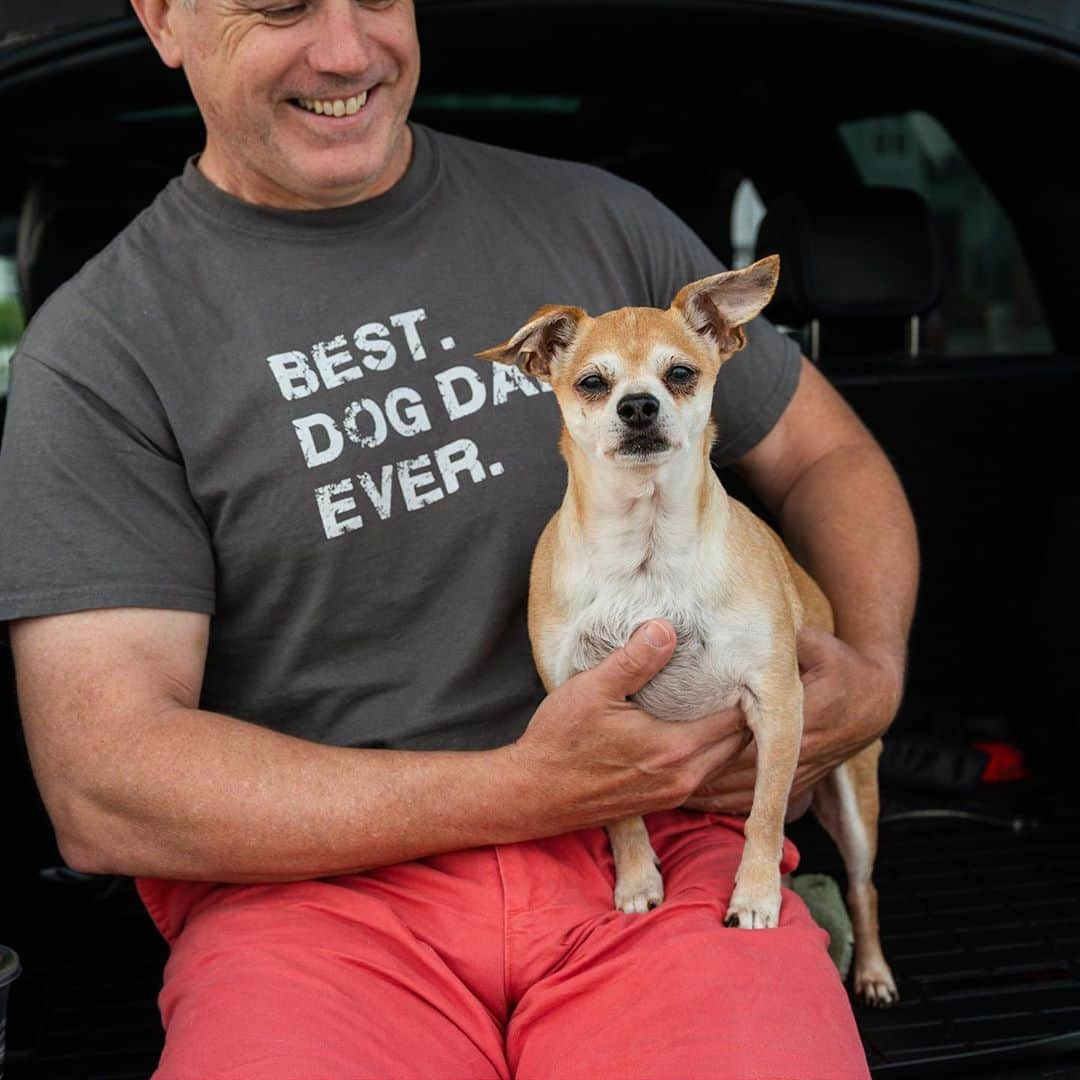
<point>723,646</point>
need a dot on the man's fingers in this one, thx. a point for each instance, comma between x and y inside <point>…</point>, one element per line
<point>628,669</point>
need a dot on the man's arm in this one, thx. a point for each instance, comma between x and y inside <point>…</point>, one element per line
<point>844,515</point>
<point>138,780</point>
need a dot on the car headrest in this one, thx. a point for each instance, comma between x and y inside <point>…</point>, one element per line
<point>68,218</point>
<point>862,253</point>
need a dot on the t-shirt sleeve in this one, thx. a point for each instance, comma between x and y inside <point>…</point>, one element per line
<point>96,510</point>
<point>755,386</point>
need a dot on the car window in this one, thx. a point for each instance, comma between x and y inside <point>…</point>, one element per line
<point>11,318</point>
<point>989,303</point>
<point>747,210</point>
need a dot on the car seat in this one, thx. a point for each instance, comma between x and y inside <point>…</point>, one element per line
<point>859,268</point>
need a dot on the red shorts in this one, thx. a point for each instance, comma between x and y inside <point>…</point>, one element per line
<point>501,962</point>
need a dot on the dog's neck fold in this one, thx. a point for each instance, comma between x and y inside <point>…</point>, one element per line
<point>637,513</point>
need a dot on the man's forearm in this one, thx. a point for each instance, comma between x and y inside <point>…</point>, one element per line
<point>205,796</point>
<point>138,780</point>
<point>844,515</point>
<point>848,522</point>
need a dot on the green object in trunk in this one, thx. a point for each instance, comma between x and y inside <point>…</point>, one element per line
<point>822,896</point>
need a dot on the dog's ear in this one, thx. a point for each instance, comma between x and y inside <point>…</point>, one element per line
<point>540,342</point>
<point>717,306</point>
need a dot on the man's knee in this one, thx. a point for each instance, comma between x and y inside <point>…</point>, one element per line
<point>676,993</point>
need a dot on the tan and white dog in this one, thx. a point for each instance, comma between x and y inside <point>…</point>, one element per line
<point>646,530</point>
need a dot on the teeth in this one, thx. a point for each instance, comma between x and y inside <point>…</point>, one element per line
<point>335,107</point>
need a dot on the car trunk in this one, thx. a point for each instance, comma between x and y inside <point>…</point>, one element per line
<point>977,880</point>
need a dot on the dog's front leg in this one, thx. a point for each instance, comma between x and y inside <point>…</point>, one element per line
<point>775,718</point>
<point>638,884</point>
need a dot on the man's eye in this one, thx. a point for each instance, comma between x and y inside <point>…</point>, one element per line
<point>284,14</point>
<point>680,374</point>
<point>592,384</point>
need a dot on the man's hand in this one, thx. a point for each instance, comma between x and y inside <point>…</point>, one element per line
<point>849,701</point>
<point>589,756</point>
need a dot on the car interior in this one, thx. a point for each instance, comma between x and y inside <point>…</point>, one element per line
<point>910,168</point>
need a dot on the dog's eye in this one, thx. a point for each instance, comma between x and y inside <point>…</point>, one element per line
<point>592,384</point>
<point>680,374</point>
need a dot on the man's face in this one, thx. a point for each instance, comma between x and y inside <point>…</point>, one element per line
<point>257,69</point>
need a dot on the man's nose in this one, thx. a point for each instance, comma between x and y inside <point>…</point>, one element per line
<point>341,45</point>
<point>638,410</point>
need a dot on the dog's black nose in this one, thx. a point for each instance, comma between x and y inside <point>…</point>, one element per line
<point>638,410</point>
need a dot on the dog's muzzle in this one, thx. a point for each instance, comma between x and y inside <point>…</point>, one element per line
<point>642,434</point>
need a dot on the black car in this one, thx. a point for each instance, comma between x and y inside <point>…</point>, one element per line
<point>912,162</point>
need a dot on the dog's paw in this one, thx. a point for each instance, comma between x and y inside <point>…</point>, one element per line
<point>754,909</point>
<point>640,891</point>
<point>875,985</point>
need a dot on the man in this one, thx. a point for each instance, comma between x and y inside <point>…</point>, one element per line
<point>269,591</point>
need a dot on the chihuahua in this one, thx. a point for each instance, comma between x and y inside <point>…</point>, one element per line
<point>646,530</point>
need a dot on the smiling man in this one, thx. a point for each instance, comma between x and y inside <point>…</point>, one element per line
<point>266,566</point>
<point>309,116</point>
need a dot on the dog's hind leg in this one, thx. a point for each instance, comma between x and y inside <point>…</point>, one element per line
<point>777,728</point>
<point>638,884</point>
<point>846,804</point>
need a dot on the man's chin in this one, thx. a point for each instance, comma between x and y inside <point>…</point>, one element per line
<point>341,175</point>
<point>346,172</point>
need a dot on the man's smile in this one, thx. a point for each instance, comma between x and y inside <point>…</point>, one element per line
<point>336,107</point>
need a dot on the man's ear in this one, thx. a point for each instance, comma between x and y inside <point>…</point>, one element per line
<point>717,306</point>
<point>157,17</point>
<point>540,342</point>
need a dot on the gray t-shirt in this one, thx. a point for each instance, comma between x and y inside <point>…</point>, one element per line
<point>275,417</point>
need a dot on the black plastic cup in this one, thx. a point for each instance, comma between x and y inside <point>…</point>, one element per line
<point>9,972</point>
